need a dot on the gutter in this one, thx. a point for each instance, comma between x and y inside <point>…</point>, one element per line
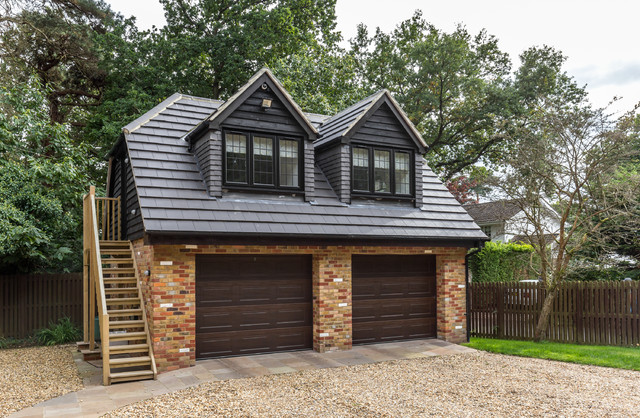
<point>479,246</point>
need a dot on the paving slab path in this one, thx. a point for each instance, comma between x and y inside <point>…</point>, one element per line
<point>96,400</point>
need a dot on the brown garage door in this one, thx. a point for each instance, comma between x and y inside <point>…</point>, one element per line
<point>394,297</point>
<point>248,304</point>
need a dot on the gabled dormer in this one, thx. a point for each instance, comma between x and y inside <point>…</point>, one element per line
<point>257,141</point>
<point>371,151</point>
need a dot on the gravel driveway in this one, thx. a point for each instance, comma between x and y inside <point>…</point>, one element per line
<point>32,375</point>
<point>477,384</point>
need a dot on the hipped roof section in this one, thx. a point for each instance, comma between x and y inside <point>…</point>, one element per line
<point>346,123</point>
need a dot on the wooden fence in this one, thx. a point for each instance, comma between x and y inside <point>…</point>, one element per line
<point>605,313</point>
<point>30,302</point>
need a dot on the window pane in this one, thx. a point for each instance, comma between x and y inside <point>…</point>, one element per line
<point>289,163</point>
<point>402,168</point>
<point>262,160</point>
<point>361,169</point>
<point>381,171</point>
<point>236,158</point>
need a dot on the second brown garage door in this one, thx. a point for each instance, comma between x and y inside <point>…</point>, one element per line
<point>247,304</point>
<point>394,297</point>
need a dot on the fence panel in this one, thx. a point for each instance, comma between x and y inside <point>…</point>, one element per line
<point>30,302</point>
<point>606,313</point>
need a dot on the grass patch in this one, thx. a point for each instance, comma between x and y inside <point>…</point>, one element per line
<point>596,355</point>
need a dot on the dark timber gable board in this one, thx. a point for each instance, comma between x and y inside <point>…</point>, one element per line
<point>335,163</point>
<point>383,128</point>
<point>250,115</point>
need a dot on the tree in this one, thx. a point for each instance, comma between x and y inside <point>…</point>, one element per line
<point>568,155</point>
<point>455,87</point>
<point>43,174</point>
<point>212,47</point>
<point>320,79</point>
<point>53,39</point>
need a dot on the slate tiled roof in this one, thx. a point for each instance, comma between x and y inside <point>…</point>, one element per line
<point>174,199</point>
<point>492,212</point>
<point>337,125</point>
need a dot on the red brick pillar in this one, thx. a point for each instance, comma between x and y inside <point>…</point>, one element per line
<point>332,326</point>
<point>450,274</point>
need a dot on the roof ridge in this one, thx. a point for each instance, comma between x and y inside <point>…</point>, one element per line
<point>154,111</point>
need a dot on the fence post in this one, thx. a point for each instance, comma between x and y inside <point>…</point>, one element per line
<point>578,306</point>
<point>500,293</point>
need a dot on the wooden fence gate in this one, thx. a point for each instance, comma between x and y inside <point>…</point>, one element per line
<point>604,313</point>
<point>29,302</point>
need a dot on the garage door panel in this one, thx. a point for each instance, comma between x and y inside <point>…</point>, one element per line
<point>369,310</point>
<point>250,304</point>
<point>393,297</point>
<point>250,342</point>
<point>253,317</point>
<point>251,292</point>
<point>381,331</point>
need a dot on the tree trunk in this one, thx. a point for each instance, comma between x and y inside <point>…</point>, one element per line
<point>543,321</point>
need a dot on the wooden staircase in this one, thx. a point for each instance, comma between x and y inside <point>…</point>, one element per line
<point>112,292</point>
<point>130,351</point>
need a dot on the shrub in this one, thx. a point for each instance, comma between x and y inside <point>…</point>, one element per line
<point>62,332</point>
<point>595,274</point>
<point>498,262</point>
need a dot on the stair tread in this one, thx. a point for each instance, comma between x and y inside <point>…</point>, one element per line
<point>121,300</point>
<point>126,323</point>
<point>120,289</point>
<point>132,374</point>
<point>127,334</point>
<point>125,311</point>
<point>116,348</point>
<point>127,360</point>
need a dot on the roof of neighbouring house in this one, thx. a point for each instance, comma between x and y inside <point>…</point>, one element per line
<point>174,199</point>
<point>492,212</point>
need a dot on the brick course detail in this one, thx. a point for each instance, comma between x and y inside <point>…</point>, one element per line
<point>170,300</point>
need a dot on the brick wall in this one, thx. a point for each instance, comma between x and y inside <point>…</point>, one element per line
<point>170,293</point>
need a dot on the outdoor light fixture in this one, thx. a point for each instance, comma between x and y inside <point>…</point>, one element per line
<point>147,273</point>
<point>266,103</point>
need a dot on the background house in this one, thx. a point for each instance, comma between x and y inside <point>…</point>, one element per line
<point>504,220</point>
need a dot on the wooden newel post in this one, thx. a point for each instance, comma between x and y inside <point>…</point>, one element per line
<point>92,270</point>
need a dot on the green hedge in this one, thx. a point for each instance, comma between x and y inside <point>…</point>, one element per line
<point>498,262</point>
<point>594,274</point>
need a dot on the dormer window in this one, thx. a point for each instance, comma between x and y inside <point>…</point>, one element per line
<point>381,172</point>
<point>261,161</point>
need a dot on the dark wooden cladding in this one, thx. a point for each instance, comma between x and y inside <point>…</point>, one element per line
<point>208,152</point>
<point>601,313</point>
<point>31,302</point>
<point>383,128</point>
<point>250,115</point>
<point>247,304</point>
<point>394,297</point>
<point>335,163</point>
<point>123,185</point>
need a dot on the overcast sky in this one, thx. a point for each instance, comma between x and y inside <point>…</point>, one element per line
<point>600,38</point>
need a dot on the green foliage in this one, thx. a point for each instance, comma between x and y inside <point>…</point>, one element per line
<point>43,174</point>
<point>6,343</point>
<point>611,274</point>
<point>596,355</point>
<point>64,331</point>
<point>320,79</point>
<point>455,87</point>
<point>498,262</point>
<point>210,48</point>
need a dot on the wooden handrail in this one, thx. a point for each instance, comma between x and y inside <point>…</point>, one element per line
<point>144,311</point>
<point>99,286</point>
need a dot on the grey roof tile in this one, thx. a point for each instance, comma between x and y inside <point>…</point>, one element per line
<point>173,196</point>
